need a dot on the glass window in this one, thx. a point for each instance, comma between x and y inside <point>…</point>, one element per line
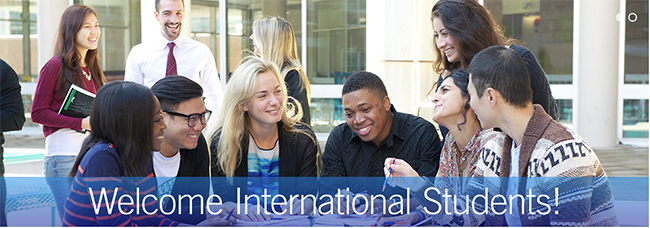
<point>336,48</point>
<point>205,25</point>
<point>240,22</point>
<point>635,118</point>
<point>635,110</point>
<point>18,38</point>
<point>17,26</point>
<point>544,27</point>
<point>636,42</point>
<point>242,14</point>
<point>326,114</point>
<point>6,10</point>
<point>120,23</point>
<point>565,108</point>
<point>336,39</point>
<point>205,17</point>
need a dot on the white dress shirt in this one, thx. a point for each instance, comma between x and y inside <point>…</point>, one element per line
<point>147,63</point>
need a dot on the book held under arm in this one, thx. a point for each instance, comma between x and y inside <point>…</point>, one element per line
<point>77,103</point>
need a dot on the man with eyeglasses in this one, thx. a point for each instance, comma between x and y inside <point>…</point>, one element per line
<point>184,151</point>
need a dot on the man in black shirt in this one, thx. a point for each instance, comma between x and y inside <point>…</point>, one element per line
<point>373,131</point>
<point>12,114</point>
<point>182,166</point>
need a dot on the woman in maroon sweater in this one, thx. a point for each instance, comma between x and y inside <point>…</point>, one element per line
<point>76,62</point>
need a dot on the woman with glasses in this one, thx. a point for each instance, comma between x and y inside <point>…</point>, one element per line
<point>127,125</point>
<point>182,165</point>
<point>75,62</point>
<point>259,140</point>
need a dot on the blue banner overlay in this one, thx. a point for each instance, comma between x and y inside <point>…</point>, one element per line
<point>30,202</point>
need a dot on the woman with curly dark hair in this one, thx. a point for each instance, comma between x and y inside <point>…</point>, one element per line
<point>462,28</point>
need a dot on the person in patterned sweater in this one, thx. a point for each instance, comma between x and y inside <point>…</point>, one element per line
<point>539,173</point>
<point>553,160</point>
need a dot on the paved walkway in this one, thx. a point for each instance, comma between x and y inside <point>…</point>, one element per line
<point>24,155</point>
<point>624,161</point>
<point>22,158</point>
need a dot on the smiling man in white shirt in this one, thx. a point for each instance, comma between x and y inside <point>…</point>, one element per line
<point>169,53</point>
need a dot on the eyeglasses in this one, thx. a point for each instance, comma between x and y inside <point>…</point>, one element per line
<point>192,119</point>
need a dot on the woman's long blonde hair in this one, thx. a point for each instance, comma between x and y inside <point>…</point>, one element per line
<point>278,41</point>
<point>233,122</point>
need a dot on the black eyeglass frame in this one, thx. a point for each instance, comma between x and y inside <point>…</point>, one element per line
<point>189,117</point>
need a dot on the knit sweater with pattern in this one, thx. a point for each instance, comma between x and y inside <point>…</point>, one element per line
<point>555,162</point>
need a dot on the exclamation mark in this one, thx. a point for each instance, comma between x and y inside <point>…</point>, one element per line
<point>557,199</point>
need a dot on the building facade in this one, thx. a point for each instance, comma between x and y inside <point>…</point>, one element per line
<point>595,53</point>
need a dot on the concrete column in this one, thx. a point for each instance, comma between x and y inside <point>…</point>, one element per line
<point>187,21</point>
<point>496,9</point>
<point>596,79</point>
<point>47,26</point>
<point>151,27</point>
<point>275,8</point>
<point>399,49</point>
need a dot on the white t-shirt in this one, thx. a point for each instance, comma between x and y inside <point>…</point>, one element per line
<point>166,170</point>
<point>512,217</point>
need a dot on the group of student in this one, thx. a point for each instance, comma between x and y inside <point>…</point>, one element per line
<point>492,96</point>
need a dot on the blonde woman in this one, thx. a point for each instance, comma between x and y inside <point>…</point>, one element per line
<point>274,41</point>
<point>258,139</point>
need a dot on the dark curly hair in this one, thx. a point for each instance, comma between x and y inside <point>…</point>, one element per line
<point>461,79</point>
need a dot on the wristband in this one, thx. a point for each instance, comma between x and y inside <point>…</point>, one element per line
<point>417,213</point>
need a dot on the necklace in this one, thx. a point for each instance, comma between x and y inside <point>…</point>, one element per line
<point>86,74</point>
